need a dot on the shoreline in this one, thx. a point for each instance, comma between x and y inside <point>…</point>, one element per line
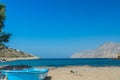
<point>83,73</point>
<point>14,59</point>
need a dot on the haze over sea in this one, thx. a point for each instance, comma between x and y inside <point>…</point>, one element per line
<point>59,62</point>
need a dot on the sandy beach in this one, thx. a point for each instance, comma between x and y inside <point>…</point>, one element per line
<point>84,73</point>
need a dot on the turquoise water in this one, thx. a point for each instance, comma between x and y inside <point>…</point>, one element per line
<point>66,62</point>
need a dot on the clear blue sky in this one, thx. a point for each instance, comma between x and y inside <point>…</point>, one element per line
<point>59,28</point>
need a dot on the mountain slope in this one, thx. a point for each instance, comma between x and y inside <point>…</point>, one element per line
<point>107,50</point>
<point>9,54</point>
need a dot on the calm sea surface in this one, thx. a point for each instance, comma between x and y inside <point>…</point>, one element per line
<point>66,62</point>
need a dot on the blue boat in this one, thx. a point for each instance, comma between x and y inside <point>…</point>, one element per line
<point>26,74</point>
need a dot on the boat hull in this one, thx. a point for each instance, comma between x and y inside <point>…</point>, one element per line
<point>39,74</point>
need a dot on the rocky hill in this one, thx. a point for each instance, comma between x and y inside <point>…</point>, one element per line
<point>7,54</point>
<point>107,50</point>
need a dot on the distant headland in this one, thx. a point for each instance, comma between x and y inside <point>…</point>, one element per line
<point>9,54</point>
<point>107,50</point>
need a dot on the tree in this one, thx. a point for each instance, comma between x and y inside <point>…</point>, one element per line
<point>4,37</point>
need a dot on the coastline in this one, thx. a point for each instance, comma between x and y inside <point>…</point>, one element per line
<point>20,58</point>
<point>83,73</point>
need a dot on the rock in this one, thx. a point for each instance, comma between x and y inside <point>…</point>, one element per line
<point>8,54</point>
<point>107,50</point>
<point>14,67</point>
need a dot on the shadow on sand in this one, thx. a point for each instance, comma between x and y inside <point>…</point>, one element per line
<point>48,78</point>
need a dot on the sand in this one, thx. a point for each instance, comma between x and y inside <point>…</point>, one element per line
<point>14,59</point>
<point>84,73</point>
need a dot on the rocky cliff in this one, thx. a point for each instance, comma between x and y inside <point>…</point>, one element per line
<point>107,50</point>
<point>13,54</point>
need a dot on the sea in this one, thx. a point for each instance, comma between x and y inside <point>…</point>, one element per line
<point>62,62</point>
